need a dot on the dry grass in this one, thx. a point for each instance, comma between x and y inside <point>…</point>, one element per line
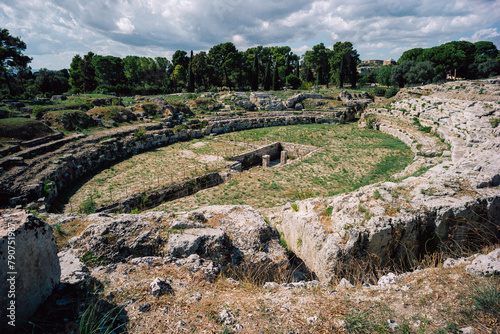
<point>153,169</point>
<point>350,157</point>
<point>428,301</point>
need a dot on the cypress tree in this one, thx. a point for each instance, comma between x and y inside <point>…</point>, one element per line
<point>190,74</point>
<point>255,73</point>
<point>276,81</point>
<point>267,76</point>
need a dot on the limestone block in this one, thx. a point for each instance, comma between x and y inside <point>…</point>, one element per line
<point>29,265</point>
<point>486,265</point>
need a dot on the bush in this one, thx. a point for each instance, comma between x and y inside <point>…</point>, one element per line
<point>39,111</point>
<point>494,122</point>
<point>370,121</point>
<point>140,133</point>
<point>293,81</point>
<point>379,91</point>
<point>88,206</point>
<point>390,92</point>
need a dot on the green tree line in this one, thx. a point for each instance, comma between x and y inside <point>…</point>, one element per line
<point>224,66</point>
<point>458,59</point>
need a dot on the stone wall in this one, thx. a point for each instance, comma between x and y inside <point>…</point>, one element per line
<point>171,192</point>
<point>297,150</point>
<point>254,157</point>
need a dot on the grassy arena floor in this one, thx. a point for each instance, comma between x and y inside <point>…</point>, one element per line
<point>350,157</point>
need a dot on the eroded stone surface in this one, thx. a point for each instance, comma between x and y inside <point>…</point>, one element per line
<point>456,201</point>
<point>32,271</point>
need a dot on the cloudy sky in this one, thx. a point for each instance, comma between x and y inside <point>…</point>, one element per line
<point>57,30</point>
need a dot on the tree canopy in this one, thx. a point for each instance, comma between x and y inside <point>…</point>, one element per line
<point>11,57</point>
<point>270,67</point>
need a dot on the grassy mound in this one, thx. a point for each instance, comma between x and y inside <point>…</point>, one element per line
<point>23,128</point>
<point>69,120</point>
<point>117,114</point>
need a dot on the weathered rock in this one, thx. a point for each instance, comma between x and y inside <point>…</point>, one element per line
<point>252,238</point>
<point>29,265</point>
<point>266,101</point>
<point>195,264</point>
<point>206,242</point>
<point>118,238</point>
<point>58,98</point>
<point>345,284</point>
<point>73,271</point>
<point>390,278</point>
<point>226,317</point>
<point>392,324</point>
<point>160,287</point>
<point>486,265</point>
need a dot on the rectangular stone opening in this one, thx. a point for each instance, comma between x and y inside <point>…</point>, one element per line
<point>275,154</point>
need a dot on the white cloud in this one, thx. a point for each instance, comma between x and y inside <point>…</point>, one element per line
<point>125,25</point>
<point>301,49</point>
<point>482,35</point>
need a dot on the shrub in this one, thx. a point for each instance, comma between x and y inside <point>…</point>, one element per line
<point>293,81</point>
<point>379,91</point>
<point>358,322</point>
<point>140,133</point>
<point>39,111</point>
<point>328,211</point>
<point>100,317</point>
<point>370,121</point>
<point>390,92</point>
<point>88,206</point>
<point>295,207</point>
<point>47,187</point>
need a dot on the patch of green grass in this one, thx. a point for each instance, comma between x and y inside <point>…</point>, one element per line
<point>23,128</point>
<point>494,122</point>
<point>328,211</point>
<point>359,322</point>
<point>485,294</point>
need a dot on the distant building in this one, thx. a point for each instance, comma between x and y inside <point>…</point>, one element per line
<point>389,62</point>
<point>372,61</point>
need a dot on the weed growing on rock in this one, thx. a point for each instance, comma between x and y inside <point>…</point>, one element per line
<point>99,318</point>
<point>494,122</point>
<point>485,294</point>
